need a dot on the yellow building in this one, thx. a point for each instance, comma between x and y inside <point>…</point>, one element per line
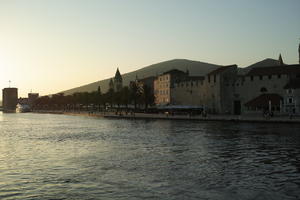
<point>164,83</point>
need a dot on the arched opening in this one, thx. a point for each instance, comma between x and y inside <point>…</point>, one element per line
<point>263,90</point>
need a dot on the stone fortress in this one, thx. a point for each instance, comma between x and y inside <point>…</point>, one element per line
<point>225,90</point>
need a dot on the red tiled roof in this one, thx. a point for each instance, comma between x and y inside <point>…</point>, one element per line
<point>221,69</point>
<point>285,69</point>
<point>263,100</point>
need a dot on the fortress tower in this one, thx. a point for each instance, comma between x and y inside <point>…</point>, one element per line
<point>10,99</point>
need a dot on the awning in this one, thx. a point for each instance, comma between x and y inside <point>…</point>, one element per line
<point>179,107</point>
<point>263,100</point>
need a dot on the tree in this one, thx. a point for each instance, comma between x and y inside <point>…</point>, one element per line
<point>110,96</point>
<point>135,93</point>
<point>99,97</point>
<point>125,95</point>
<point>147,96</point>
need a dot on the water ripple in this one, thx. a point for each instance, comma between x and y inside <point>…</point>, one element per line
<point>66,157</point>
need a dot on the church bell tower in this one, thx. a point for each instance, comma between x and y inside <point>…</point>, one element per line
<point>118,81</point>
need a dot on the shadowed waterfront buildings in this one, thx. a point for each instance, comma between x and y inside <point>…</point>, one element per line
<point>274,88</point>
<point>267,86</point>
<point>30,100</point>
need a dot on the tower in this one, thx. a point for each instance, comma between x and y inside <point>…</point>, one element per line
<point>280,60</point>
<point>299,52</point>
<point>118,81</point>
<point>10,99</point>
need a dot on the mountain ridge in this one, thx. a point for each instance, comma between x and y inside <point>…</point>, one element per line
<point>267,62</point>
<point>196,68</point>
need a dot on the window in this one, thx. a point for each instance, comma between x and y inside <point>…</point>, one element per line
<point>290,91</point>
<point>192,84</point>
<point>270,76</point>
<point>251,78</point>
<point>260,77</point>
<point>209,78</point>
<point>215,78</point>
<point>263,89</point>
<point>290,100</point>
<point>279,76</point>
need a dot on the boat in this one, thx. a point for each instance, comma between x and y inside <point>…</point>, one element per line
<point>22,108</point>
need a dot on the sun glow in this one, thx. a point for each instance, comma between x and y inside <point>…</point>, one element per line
<point>5,68</point>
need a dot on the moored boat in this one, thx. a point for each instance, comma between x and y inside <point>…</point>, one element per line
<point>21,108</point>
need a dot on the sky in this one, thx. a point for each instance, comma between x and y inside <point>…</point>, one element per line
<point>48,46</point>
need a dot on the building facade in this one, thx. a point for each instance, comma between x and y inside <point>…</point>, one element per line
<point>206,92</point>
<point>273,89</point>
<point>265,83</point>
<point>188,91</point>
<point>164,86</point>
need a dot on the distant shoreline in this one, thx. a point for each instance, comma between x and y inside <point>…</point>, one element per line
<point>210,117</point>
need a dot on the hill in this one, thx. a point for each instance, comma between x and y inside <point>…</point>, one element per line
<point>268,62</point>
<point>195,67</point>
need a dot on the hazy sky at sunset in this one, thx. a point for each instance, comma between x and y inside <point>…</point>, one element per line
<point>54,45</point>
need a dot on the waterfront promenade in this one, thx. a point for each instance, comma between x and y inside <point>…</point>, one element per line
<point>166,116</point>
